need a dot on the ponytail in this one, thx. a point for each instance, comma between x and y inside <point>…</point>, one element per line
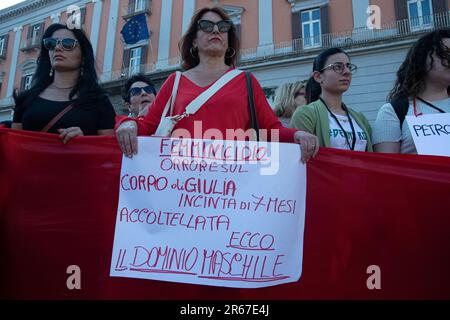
<point>312,90</point>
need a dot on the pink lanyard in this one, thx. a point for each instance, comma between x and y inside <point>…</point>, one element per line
<point>415,109</point>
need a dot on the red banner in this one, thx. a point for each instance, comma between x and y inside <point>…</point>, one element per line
<point>58,208</point>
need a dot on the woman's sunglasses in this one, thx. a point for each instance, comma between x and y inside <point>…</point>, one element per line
<point>137,90</point>
<point>208,26</point>
<point>66,44</point>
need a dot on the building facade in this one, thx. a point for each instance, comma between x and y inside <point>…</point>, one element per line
<point>279,40</point>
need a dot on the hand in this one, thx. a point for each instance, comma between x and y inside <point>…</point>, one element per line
<point>69,133</point>
<point>126,135</point>
<point>309,144</point>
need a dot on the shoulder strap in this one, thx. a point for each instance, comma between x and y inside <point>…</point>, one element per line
<point>57,117</point>
<point>197,103</point>
<point>171,101</point>
<point>401,107</point>
<point>251,106</point>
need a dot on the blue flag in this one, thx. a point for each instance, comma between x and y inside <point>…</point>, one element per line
<point>135,29</point>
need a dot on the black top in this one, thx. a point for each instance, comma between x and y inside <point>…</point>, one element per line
<point>40,112</point>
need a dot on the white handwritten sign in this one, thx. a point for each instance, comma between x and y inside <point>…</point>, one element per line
<point>201,212</point>
<point>431,133</point>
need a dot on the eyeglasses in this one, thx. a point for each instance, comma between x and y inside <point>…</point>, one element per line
<point>66,44</point>
<point>339,67</point>
<point>137,90</point>
<point>208,26</point>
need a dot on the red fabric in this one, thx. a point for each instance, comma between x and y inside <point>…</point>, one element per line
<point>58,207</point>
<point>227,109</point>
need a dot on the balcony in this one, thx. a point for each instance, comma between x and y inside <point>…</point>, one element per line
<point>398,30</point>
<point>395,31</point>
<point>30,44</point>
<point>124,73</point>
<point>132,10</point>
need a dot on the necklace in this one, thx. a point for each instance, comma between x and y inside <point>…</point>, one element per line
<point>52,85</point>
<point>347,138</point>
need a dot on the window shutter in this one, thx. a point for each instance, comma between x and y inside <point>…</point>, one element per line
<point>126,61</point>
<point>401,13</point>
<point>30,31</point>
<point>41,31</point>
<point>22,83</point>
<point>440,13</point>
<point>439,6</point>
<point>5,45</point>
<point>325,25</point>
<point>82,17</point>
<point>131,6</point>
<point>297,32</point>
<point>238,31</point>
<point>144,50</point>
<point>401,9</point>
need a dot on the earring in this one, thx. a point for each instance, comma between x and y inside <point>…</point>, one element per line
<point>231,55</point>
<point>193,50</point>
<point>51,72</point>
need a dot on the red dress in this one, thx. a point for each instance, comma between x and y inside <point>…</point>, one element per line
<point>226,109</point>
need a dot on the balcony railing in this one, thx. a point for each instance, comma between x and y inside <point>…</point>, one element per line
<point>131,10</point>
<point>31,43</point>
<point>124,73</point>
<point>363,36</point>
<point>392,31</point>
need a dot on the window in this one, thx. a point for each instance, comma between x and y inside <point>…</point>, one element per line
<point>27,82</point>
<point>77,18</point>
<point>36,34</point>
<point>311,28</point>
<point>135,61</point>
<point>420,14</point>
<point>139,5</point>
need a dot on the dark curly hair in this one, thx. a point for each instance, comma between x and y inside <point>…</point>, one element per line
<point>185,44</point>
<point>411,74</point>
<point>135,78</point>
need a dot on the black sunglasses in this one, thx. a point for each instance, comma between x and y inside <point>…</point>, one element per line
<point>137,90</point>
<point>66,44</point>
<point>208,26</point>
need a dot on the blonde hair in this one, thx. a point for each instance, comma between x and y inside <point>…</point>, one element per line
<point>284,104</point>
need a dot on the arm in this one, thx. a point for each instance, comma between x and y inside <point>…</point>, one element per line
<point>386,133</point>
<point>303,119</point>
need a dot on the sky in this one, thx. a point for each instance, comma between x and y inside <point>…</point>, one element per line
<point>8,3</point>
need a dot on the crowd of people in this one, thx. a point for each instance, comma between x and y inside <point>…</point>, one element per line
<point>211,96</point>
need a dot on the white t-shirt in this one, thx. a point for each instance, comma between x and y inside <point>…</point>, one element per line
<point>387,124</point>
<point>337,136</point>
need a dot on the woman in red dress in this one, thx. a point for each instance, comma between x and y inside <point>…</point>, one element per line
<point>208,51</point>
